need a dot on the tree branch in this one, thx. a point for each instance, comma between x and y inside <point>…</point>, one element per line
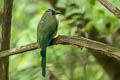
<point>5,41</point>
<point>110,7</point>
<point>106,49</point>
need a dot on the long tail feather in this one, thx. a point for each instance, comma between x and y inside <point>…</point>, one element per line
<point>43,63</point>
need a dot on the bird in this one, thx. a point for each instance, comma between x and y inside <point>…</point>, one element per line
<point>46,31</point>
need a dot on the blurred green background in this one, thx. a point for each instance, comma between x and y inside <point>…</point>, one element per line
<point>64,62</point>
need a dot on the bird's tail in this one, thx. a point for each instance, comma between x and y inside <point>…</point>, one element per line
<point>43,63</point>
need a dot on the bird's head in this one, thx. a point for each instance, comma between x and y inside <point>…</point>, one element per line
<point>52,12</point>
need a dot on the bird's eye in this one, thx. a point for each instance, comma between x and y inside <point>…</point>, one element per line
<point>53,13</point>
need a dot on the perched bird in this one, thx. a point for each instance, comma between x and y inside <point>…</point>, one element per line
<point>46,31</point>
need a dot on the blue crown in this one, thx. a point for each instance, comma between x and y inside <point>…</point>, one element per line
<point>50,10</point>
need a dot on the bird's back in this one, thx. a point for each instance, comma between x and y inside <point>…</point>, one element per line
<point>46,30</point>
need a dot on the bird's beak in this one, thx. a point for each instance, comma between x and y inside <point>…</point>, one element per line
<point>58,12</point>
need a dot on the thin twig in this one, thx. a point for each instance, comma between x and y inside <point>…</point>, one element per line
<point>110,7</point>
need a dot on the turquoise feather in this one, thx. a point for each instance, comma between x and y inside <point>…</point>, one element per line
<point>46,31</point>
<point>43,63</point>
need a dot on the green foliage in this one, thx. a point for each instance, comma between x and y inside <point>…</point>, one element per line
<point>65,62</point>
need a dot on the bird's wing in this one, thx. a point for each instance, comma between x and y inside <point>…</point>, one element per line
<point>38,34</point>
<point>45,37</point>
<point>52,35</point>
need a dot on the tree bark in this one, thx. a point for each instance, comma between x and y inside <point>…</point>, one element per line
<point>5,42</point>
<point>94,45</point>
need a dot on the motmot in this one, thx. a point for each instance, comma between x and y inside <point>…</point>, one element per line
<point>46,31</point>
